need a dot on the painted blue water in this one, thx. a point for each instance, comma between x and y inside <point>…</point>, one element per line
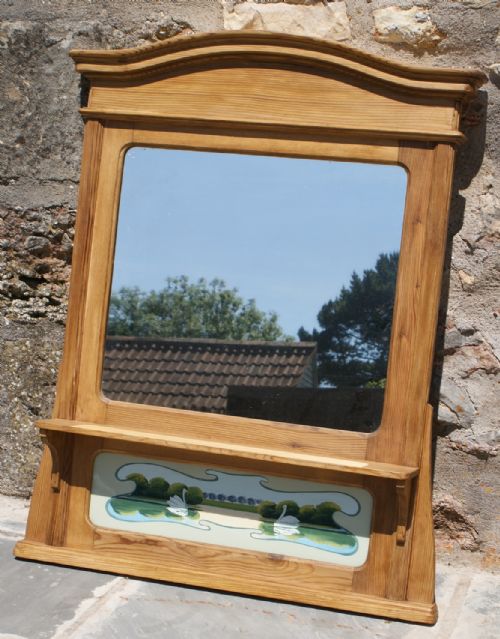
<point>263,533</point>
<point>304,541</point>
<point>192,519</point>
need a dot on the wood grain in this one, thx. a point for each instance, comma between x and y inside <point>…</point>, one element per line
<point>251,79</point>
<point>143,436</point>
<point>231,464</point>
<point>64,444</point>
<point>70,369</point>
<point>272,97</point>
<point>416,304</point>
<point>421,573</point>
<point>261,48</point>
<point>268,94</point>
<point>80,532</point>
<point>108,556</point>
<point>43,500</point>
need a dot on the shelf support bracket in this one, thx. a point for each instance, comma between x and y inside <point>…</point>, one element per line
<point>55,475</point>
<point>403,498</point>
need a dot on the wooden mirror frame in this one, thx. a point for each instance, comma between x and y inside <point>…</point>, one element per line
<point>269,94</point>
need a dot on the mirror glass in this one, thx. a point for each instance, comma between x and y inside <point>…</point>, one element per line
<point>254,286</point>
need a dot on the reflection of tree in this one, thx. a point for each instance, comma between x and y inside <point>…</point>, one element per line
<point>353,342</point>
<point>196,310</point>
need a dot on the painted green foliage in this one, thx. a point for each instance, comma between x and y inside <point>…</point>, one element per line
<point>158,488</point>
<point>141,484</point>
<point>321,515</point>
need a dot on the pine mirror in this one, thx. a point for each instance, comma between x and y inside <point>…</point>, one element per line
<point>330,507</point>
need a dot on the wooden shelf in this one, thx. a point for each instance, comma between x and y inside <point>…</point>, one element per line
<point>155,438</point>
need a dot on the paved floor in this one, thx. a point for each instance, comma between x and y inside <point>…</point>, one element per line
<point>39,601</point>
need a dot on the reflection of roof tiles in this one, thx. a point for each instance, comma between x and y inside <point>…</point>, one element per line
<point>196,373</point>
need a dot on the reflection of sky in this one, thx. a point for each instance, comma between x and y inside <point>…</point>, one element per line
<point>286,232</point>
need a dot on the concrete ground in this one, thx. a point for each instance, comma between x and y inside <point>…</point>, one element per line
<point>39,601</point>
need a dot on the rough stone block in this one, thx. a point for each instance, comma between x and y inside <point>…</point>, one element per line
<point>495,72</point>
<point>455,406</point>
<point>476,358</point>
<point>412,27</point>
<point>450,519</point>
<point>320,20</point>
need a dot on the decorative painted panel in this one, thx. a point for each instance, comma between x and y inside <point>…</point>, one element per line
<point>307,520</point>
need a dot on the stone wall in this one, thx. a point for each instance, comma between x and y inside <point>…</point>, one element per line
<point>40,143</point>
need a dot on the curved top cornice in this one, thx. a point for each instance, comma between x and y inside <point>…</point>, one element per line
<point>275,82</point>
<point>249,47</point>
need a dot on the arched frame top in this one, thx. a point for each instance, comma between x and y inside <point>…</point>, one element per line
<point>269,47</point>
<point>263,79</point>
<point>268,94</point>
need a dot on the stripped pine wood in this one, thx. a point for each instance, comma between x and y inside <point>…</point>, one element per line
<point>255,95</point>
<point>232,463</point>
<point>142,61</point>
<point>43,500</point>
<point>421,574</point>
<point>70,370</point>
<point>80,534</point>
<point>309,440</point>
<point>147,557</point>
<point>267,94</point>
<point>142,436</point>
